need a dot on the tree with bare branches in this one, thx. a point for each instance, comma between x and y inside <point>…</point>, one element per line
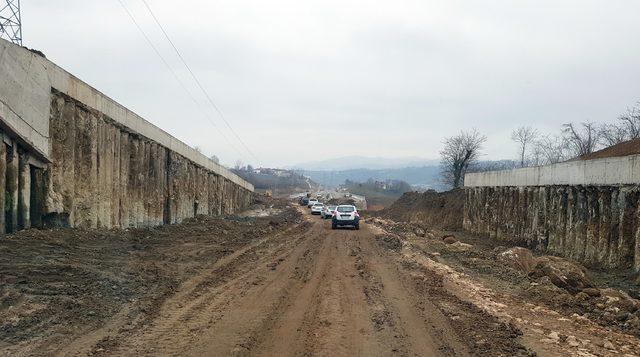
<point>552,149</point>
<point>584,139</point>
<point>524,136</point>
<point>612,134</point>
<point>631,122</point>
<point>460,152</point>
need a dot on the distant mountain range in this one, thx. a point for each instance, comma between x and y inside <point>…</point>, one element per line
<point>420,173</point>
<point>424,177</point>
<point>364,162</point>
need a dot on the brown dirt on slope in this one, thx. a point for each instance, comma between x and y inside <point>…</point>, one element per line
<point>433,209</point>
<point>59,284</point>
<point>631,147</point>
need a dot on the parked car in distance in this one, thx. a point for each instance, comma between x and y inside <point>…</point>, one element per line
<point>304,201</point>
<point>317,208</point>
<point>327,212</point>
<point>345,215</point>
<point>311,202</point>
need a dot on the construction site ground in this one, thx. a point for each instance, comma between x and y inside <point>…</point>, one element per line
<point>277,281</point>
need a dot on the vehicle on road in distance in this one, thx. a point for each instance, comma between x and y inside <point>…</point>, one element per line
<point>317,208</point>
<point>304,201</point>
<point>327,212</point>
<point>345,215</point>
<point>312,201</point>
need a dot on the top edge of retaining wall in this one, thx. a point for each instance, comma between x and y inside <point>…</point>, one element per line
<point>624,170</point>
<point>26,80</point>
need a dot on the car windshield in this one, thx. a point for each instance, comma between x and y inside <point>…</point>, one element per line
<point>318,205</point>
<point>331,208</point>
<point>346,209</point>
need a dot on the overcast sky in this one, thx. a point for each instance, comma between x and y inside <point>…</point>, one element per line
<point>304,80</point>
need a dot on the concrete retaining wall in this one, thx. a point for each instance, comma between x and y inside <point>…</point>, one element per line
<point>585,210</point>
<point>74,157</point>
<point>596,225</point>
<point>609,171</point>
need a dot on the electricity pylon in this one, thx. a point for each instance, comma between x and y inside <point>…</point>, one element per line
<point>10,24</point>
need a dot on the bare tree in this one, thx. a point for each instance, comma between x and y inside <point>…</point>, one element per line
<point>612,134</point>
<point>536,155</point>
<point>552,149</point>
<point>631,122</point>
<point>459,153</point>
<point>215,159</point>
<point>583,140</point>
<point>524,136</point>
<point>238,165</point>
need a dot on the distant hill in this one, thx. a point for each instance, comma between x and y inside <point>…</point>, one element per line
<point>275,179</point>
<point>363,162</point>
<point>425,176</point>
<point>420,177</point>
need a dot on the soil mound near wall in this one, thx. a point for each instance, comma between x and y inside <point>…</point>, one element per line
<point>631,147</point>
<point>441,210</point>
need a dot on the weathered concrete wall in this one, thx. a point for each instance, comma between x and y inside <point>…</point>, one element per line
<point>71,156</point>
<point>587,210</point>
<point>597,225</point>
<point>607,171</point>
<point>103,175</point>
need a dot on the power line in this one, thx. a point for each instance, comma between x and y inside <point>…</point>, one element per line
<point>189,94</point>
<point>195,78</point>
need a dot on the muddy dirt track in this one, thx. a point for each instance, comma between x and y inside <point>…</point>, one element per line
<point>280,282</point>
<point>313,291</point>
<point>294,288</point>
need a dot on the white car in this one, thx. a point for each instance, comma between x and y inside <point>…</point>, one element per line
<point>312,201</point>
<point>317,208</point>
<point>346,215</point>
<point>327,212</point>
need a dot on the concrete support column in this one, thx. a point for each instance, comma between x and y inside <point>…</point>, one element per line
<point>3,185</point>
<point>24,192</point>
<point>12,189</point>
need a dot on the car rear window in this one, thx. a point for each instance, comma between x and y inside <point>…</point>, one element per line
<point>318,204</point>
<point>346,209</point>
<point>332,208</point>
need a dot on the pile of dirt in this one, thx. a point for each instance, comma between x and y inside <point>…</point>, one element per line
<point>631,147</point>
<point>388,241</point>
<point>58,283</point>
<point>553,281</point>
<point>341,201</point>
<point>442,210</point>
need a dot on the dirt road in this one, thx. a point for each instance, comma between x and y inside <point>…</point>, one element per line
<point>312,291</point>
<point>275,282</point>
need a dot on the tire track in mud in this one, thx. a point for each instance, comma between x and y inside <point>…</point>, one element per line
<point>399,315</point>
<point>201,302</point>
<point>312,291</point>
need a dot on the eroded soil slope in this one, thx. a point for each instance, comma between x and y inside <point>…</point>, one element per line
<point>56,286</point>
<point>441,210</point>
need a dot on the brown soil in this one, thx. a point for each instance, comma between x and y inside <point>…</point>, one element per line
<point>432,209</point>
<point>631,147</point>
<point>532,300</point>
<point>286,285</point>
<point>295,290</point>
<point>57,285</point>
